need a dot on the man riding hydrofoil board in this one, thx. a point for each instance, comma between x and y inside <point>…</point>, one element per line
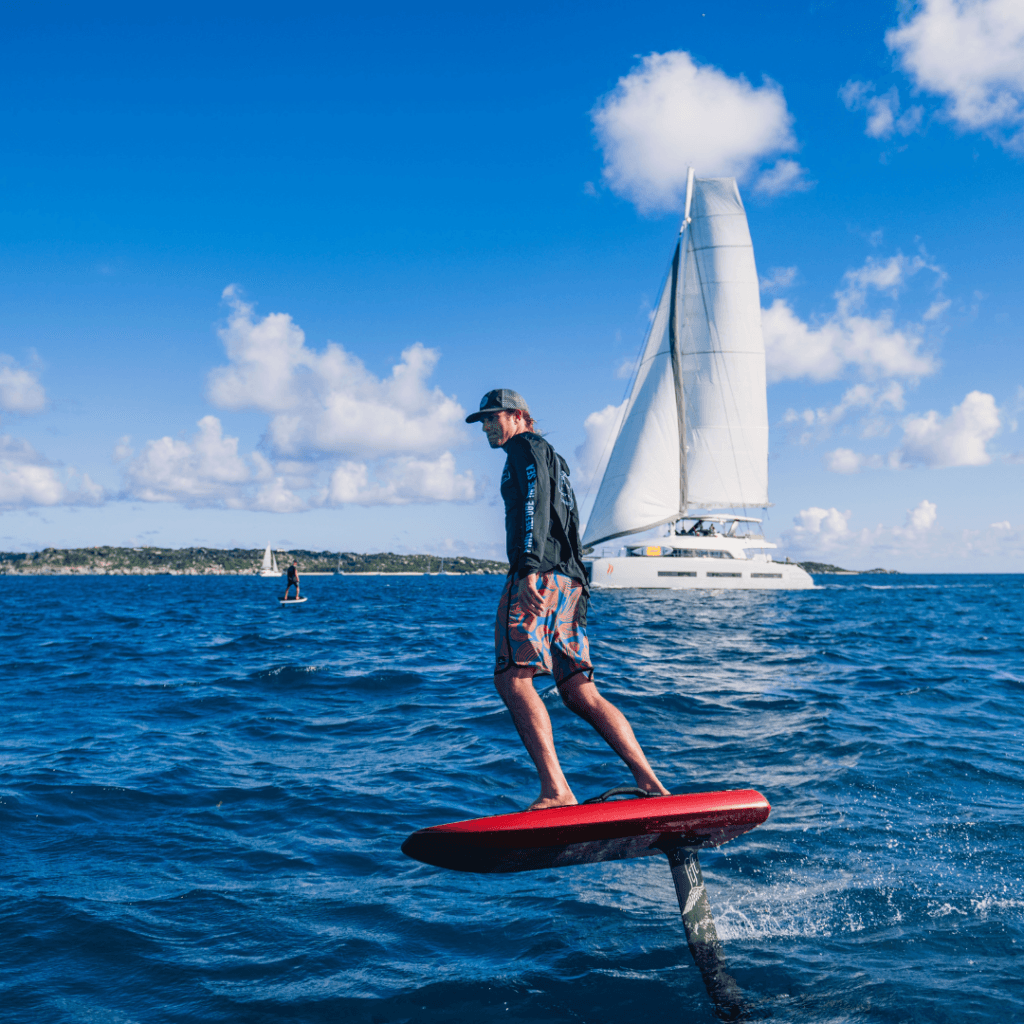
<point>541,625</point>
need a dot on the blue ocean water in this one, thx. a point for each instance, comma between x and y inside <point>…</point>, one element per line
<point>202,798</point>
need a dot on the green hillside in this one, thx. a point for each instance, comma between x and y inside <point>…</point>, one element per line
<point>110,561</point>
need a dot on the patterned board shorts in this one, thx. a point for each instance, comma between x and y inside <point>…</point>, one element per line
<point>554,643</point>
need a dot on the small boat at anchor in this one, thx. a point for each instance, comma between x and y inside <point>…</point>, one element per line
<point>269,567</point>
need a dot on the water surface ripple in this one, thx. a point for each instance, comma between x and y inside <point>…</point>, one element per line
<point>202,798</point>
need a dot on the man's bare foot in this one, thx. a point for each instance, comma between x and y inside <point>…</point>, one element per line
<point>542,803</point>
<point>654,787</point>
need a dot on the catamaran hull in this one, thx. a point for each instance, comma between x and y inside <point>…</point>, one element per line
<point>632,573</point>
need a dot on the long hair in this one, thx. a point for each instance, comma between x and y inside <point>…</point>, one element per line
<point>531,423</point>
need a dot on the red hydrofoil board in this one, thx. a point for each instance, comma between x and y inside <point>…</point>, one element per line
<point>588,833</point>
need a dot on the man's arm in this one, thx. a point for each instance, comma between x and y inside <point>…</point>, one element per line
<point>535,483</point>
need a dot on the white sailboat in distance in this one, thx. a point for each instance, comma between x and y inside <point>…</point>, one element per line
<point>269,567</point>
<point>694,435</point>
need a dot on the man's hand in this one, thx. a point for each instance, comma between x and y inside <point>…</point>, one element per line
<point>530,597</point>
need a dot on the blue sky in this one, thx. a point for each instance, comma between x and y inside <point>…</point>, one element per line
<point>255,265</point>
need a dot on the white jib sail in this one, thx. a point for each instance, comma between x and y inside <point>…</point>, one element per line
<point>267,559</point>
<point>721,398</point>
<point>640,487</point>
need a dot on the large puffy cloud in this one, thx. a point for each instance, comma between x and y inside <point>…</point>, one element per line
<point>958,439</point>
<point>328,403</point>
<point>850,337</point>
<point>27,479</point>
<point>337,434</point>
<point>400,481</point>
<point>933,440</point>
<point>670,113</point>
<point>972,53</point>
<point>20,390</point>
<point>206,470</point>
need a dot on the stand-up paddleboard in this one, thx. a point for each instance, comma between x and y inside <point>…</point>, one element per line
<point>595,831</point>
<point>292,600</point>
<point>588,833</point>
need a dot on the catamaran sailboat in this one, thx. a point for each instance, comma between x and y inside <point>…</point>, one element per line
<point>269,567</point>
<point>694,435</point>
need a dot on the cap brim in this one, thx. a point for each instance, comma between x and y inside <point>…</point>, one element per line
<point>475,417</point>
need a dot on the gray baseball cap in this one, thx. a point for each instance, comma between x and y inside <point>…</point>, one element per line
<point>501,399</point>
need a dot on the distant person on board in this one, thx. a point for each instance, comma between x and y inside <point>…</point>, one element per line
<point>293,581</point>
<point>542,615</point>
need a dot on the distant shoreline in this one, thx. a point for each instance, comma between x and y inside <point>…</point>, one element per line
<point>147,561</point>
<point>825,569</point>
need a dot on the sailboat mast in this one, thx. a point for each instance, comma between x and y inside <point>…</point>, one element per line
<point>677,355</point>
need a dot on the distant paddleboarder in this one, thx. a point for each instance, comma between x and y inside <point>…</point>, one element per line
<point>293,581</point>
<point>542,615</point>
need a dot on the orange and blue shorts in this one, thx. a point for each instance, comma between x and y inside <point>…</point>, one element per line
<point>554,643</point>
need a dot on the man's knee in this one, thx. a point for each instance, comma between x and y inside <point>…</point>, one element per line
<point>510,679</point>
<point>579,694</point>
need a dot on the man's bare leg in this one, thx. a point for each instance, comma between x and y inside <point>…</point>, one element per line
<point>515,686</point>
<point>580,696</point>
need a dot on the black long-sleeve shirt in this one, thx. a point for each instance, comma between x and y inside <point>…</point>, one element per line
<point>541,518</point>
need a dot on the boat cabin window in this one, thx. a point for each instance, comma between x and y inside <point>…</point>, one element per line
<point>657,551</point>
<point>699,529</point>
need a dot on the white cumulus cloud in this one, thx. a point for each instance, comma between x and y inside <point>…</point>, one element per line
<point>844,460</point>
<point>670,113</point>
<point>27,479</point>
<point>861,396</point>
<point>336,434</point>
<point>327,403</point>
<point>204,471</point>
<point>783,177</point>
<point>884,117</point>
<point>849,337</point>
<point>820,528</point>
<point>820,532</point>
<point>1001,543</point>
<point>780,278</point>
<point>934,441</point>
<point>958,439</point>
<point>401,481</point>
<point>920,543</point>
<point>971,52</point>
<point>600,428</point>
<point>920,519</point>
<point>275,496</point>
<point>20,390</point>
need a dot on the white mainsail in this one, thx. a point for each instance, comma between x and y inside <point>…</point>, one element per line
<point>695,430</point>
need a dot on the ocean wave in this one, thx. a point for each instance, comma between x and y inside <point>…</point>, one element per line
<point>202,813</point>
